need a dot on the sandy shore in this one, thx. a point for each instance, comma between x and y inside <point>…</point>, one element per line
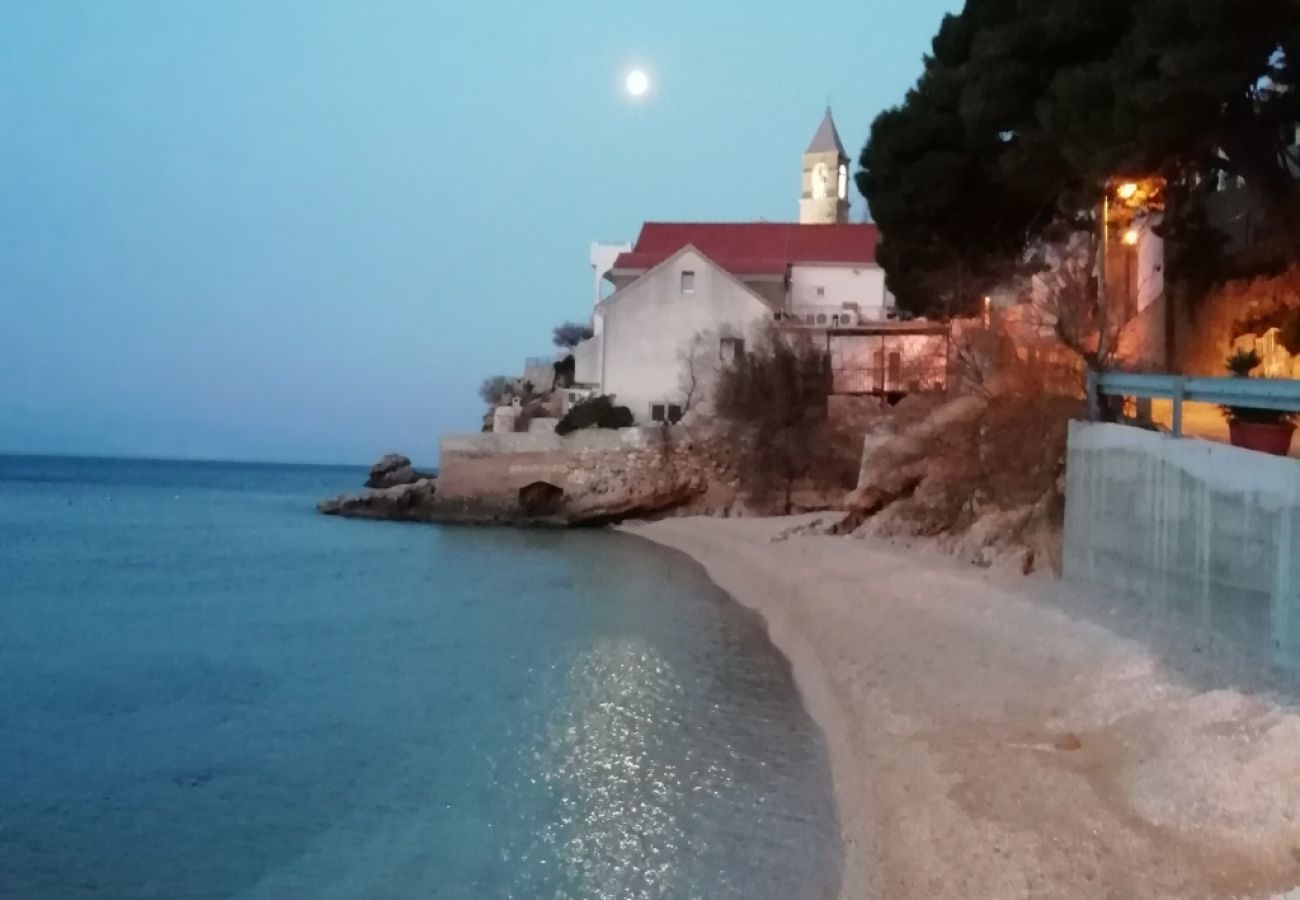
<point>987,742</point>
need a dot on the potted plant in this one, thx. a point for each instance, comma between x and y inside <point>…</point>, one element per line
<point>1265,430</point>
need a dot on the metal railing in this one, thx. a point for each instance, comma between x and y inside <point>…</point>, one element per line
<point>1253,393</point>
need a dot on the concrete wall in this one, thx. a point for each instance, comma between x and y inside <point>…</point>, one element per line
<point>861,285</point>
<point>587,361</point>
<point>649,328</point>
<point>1204,532</point>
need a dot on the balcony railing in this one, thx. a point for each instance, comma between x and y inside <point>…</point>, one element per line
<point>1254,393</point>
<point>829,316</point>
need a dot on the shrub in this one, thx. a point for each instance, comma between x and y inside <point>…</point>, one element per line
<point>595,412</point>
<point>1242,362</point>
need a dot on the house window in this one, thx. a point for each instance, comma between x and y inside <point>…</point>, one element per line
<point>821,318</point>
<point>670,413</point>
<point>688,282</point>
<point>731,349</point>
<point>821,291</point>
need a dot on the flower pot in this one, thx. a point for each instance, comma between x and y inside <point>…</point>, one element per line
<point>1266,437</point>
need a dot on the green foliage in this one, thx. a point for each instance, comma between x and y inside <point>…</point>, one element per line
<point>570,334</point>
<point>1026,108</point>
<point>773,400</point>
<point>595,412</point>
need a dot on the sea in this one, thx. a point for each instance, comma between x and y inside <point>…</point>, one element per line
<point>207,690</point>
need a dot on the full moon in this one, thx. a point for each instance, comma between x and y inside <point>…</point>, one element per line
<point>638,82</point>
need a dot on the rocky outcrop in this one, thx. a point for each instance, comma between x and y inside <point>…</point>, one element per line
<point>979,474</point>
<point>397,492</point>
<point>412,502</point>
<point>393,470</point>
<point>894,466</point>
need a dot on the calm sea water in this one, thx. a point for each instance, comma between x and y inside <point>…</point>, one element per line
<point>208,691</point>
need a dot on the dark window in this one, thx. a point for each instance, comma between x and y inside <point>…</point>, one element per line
<point>821,291</point>
<point>674,413</point>
<point>656,412</point>
<point>688,282</point>
<point>821,318</point>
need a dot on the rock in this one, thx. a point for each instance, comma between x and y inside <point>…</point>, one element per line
<point>382,472</point>
<point>412,502</point>
<point>631,501</point>
<point>393,470</point>
<point>893,465</point>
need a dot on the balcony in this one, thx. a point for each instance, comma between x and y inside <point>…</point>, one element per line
<point>829,316</point>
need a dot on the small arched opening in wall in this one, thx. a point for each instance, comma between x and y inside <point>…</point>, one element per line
<point>540,500</point>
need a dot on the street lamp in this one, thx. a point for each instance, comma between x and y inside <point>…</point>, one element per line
<point>1127,191</point>
<point>1131,237</point>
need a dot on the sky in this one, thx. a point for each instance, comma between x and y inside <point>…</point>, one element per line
<point>306,230</point>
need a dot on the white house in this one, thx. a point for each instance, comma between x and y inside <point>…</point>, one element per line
<point>689,294</point>
<point>663,336</point>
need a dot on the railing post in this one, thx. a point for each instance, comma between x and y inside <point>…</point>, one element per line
<point>1177,392</point>
<point>1094,399</point>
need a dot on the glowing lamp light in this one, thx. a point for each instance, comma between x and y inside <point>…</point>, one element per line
<point>1127,191</point>
<point>1131,237</point>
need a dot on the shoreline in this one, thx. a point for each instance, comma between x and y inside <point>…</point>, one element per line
<point>984,743</point>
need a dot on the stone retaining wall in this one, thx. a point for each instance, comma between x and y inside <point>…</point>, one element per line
<point>601,474</point>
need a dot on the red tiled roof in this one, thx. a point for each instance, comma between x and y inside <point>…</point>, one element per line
<point>753,248</point>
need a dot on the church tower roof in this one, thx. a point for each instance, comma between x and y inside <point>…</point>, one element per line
<point>827,139</point>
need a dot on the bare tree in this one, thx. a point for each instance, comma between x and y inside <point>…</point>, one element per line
<point>773,401</point>
<point>699,359</point>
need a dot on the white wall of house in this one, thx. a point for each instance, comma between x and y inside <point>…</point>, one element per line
<point>587,358</point>
<point>653,327</point>
<point>814,286</point>
<point>1150,252</point>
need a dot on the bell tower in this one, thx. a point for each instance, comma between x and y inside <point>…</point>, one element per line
<point>825,198</point>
